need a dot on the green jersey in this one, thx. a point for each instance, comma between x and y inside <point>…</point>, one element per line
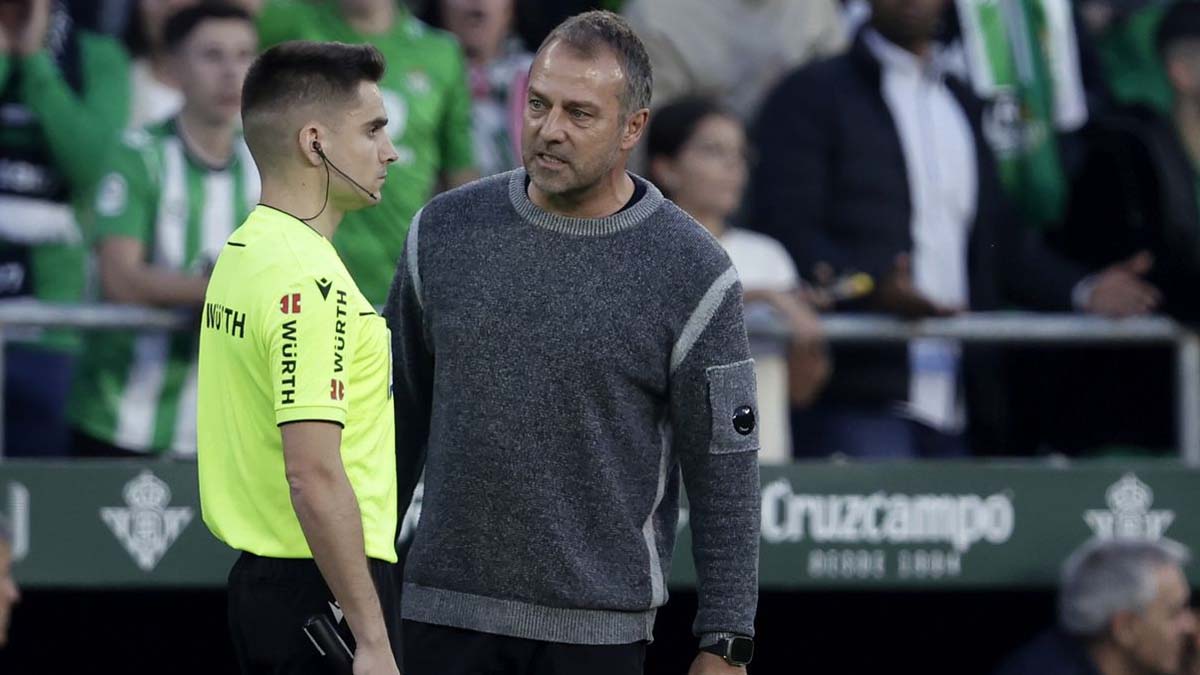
<point>429,120</point>
<point>137,391</point>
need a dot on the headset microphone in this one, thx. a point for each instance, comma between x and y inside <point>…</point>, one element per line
<point>316,145</point>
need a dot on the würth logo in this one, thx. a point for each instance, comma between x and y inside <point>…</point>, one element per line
<point>337,390</point>
<point>290,303</point>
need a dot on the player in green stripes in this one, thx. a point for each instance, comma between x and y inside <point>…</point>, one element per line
<point>429,119</point>
<point>172,195</point>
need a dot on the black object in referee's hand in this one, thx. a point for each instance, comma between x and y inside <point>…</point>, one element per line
<point>329,644</point>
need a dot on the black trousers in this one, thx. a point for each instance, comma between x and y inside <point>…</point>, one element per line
<point>441,650</point>
<point>271,598</point>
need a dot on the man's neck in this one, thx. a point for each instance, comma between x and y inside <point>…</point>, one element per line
<point>601,200</point>
<point>305,199</point>
<point>1187,123</point>
<point>374,20</point>
<point>481,56</point>
<point>160,70</point>
<point>922,49</point>
<point>211,143</point>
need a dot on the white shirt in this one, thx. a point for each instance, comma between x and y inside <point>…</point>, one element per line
<point>153,101</point>
<point>939,154</point>
<point>762,263</point>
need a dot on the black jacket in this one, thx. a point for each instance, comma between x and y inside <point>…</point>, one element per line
<point>1138,191</point>
<point>1050,653</point>
<point>831,184</point>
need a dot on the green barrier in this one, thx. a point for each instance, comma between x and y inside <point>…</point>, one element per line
<point>824,526</point>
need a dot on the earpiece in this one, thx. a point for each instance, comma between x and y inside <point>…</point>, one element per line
<point>316,146</point>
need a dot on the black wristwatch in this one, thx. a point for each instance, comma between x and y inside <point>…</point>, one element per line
<point>737,650</point>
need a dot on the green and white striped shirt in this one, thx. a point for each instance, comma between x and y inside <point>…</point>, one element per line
<point>137,391</point>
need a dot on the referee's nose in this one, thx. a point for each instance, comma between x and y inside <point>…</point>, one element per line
<point>388,153</point>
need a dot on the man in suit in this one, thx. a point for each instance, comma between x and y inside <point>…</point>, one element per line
<point>874,162</point>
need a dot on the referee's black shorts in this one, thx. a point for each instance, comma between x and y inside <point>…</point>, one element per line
<point>271,598</point>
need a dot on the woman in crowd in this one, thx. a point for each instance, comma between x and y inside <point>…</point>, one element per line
<point>697,156</point>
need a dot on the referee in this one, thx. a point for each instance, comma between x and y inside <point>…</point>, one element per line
<point>295,421</point>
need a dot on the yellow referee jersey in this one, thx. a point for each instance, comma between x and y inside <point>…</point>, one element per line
<point>287,336</point>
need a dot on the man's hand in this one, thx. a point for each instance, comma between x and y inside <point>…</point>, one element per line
<point>1120,291</point>
<point>809,365</point>
<point>31,37</point>
<point>711,664</point>
<point>376,659</point>
<point>898,295</point>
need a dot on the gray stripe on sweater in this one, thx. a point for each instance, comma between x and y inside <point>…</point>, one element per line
<point>705,310</point>
<point>657,588</point>
<point>412,253</point>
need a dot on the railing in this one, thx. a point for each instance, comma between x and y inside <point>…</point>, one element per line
<point>992,328</point>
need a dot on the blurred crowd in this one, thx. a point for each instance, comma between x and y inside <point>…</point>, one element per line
<point>913,158</point>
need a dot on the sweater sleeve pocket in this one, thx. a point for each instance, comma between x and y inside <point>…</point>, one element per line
<point>733,408</point>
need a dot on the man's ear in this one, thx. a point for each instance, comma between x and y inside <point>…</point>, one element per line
<point>309,139</point>
<point>635,126</point>
<point>1123,628</point>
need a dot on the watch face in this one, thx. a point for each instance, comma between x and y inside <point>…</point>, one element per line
<point>741,650</point>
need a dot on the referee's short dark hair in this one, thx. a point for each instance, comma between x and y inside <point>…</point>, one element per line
<point>600,28</point>
<point>181,24</point>
<point>1181,22</point>
<point>301,74</point>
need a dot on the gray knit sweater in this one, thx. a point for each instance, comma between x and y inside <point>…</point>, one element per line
<point>555,377</point>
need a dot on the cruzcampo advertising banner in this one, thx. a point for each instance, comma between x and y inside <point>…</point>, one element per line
<point>880,525</point>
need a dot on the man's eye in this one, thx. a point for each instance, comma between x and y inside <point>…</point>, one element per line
<point>579,114</point>
<point>535,104</point>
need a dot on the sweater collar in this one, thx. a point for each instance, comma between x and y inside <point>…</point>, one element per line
<point>584,227</point>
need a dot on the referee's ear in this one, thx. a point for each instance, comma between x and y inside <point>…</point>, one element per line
<point>309,140</point>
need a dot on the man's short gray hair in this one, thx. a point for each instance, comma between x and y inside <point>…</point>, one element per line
<point>600,28</point>
<point>1104,577</point>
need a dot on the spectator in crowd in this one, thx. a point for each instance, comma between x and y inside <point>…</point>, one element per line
<point>733,50</point>
<point>10,595</point>
<point>1140,186</point>
<point>63,98</point>
<point>499,72</point>
<point>429,119</point>
<point>1137,192</point>
<point>697,152</point>
<point>874,162</point>
<point>170,197</point>
<point>156,97</point>
<point>1122,608</point>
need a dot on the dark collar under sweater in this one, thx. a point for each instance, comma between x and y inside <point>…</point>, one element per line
<point>584,227</point>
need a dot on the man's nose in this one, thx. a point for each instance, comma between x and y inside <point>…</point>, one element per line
<point>553,129</point>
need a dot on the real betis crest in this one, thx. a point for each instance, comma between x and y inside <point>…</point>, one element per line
<point>146,526</point>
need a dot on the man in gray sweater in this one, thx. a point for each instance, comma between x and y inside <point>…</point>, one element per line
<point>567,344</point>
